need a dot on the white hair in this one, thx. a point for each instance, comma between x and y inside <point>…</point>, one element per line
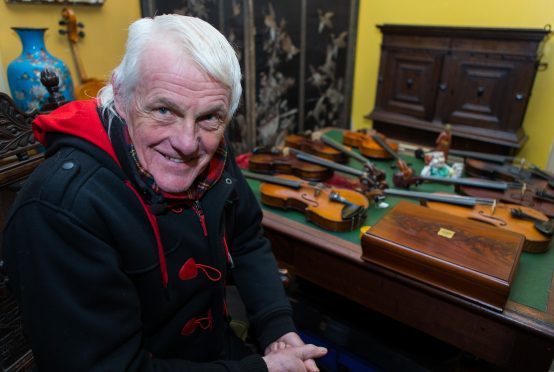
<point>197,39</point>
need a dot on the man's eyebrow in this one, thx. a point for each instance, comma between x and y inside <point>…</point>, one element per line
<point>166,102</point>
<point>219,108</point>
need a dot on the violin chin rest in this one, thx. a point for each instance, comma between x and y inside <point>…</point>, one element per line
<point>350,211</point>
<point>545,227</point>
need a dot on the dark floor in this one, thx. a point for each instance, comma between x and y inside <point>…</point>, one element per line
<point>362,340</point>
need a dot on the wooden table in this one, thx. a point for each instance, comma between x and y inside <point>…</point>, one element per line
<point>519,338</point>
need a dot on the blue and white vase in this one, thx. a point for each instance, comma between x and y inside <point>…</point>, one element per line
<point>24,71</point>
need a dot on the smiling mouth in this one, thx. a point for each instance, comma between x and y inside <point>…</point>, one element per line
<point>174,160</point>
<point>187,160</point>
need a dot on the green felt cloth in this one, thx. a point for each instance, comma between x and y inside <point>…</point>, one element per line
<point>534,274</point>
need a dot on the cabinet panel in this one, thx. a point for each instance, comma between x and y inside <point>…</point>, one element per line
<point>412,81</point>
<point>485,93</point>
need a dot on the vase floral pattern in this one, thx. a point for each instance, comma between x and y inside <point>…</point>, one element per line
<point>24,71</point>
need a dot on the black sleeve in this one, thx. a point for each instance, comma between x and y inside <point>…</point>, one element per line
<point>80,311</point>
<point>256,272</point>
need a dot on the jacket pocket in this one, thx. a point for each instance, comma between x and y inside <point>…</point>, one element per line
<point>145,259</point>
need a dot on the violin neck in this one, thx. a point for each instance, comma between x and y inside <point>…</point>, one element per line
<point>300,155</point>
<point>275,180</point>
<point>449,199</point>
<point>340,147</point>
<point>385,146</point>
<point>541,173</point>
<point>485,184</point>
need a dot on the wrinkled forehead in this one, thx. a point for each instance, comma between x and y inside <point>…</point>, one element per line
<point>165,56</point>
<point>169,56</point>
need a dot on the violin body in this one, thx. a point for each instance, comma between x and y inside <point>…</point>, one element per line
<point>535,241</point>
<point>272,163</point>
<point>89,89</point>
<point>533,195</point>
<point>368,146</point>
<point>316,204</point>
<point>317,148</point>
<point>353,139</point>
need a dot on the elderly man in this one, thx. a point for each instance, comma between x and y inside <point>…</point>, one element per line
<point>120,244</point>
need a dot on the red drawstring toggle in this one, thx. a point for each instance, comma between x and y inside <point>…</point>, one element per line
<point>189,270</point>
<point>204,323</point>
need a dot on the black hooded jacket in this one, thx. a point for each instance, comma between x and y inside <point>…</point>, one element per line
<point>86,257</point>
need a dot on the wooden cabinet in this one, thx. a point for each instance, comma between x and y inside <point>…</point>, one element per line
<point>477,79</point>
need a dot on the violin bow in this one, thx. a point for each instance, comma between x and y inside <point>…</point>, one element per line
<point>472,182</point>
<point>461,200</point>
<point>276,180</point>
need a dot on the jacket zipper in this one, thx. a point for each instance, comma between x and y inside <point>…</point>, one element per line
<point>198,210</point>
<point>229,257</point>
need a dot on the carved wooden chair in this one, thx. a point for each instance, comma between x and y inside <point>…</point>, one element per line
<point>20,154</point>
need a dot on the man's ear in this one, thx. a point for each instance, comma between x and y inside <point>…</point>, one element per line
<point>117,102</point>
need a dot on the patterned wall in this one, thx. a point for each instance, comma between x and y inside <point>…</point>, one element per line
<point>297,60</point>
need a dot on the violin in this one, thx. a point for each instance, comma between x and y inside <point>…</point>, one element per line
<point>369,167</point>
<point>484,169</point>
<point>527,195</point>
<point>89,87</point>
<point>509,192</point>
<point>330,208</point>
<point>404,170</point>
<point>534,225</point>
<point>315,147</point>
<point>370,144</point>
<point>371,178</point>
<point>509,172</point>
<point>279,162</point>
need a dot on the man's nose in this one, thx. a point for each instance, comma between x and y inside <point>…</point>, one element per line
<point>187,138</point>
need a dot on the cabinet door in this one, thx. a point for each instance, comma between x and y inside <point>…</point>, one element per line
<point>408,82</point>
<point>484,92</point>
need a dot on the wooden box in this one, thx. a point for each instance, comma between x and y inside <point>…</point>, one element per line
<point>457,255</point>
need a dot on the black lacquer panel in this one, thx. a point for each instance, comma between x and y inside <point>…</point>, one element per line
<point>296,58</point>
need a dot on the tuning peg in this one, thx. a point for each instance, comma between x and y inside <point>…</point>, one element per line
<point>81,34</point>
<point>80,25</point>
<point>62,32</point>
<point>62,22</point>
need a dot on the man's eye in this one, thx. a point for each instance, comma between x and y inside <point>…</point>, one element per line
<point>210,122</point>
<point>162,110</point>
<point>211,118</point>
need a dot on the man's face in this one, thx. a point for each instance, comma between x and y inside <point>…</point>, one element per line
<point>177,118</point>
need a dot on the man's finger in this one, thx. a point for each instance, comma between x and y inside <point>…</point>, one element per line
<point>310,365</point>
<point>309,351</point>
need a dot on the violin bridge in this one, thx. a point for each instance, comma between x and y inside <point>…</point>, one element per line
<point>523,189</point>
<point>317,191</point>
